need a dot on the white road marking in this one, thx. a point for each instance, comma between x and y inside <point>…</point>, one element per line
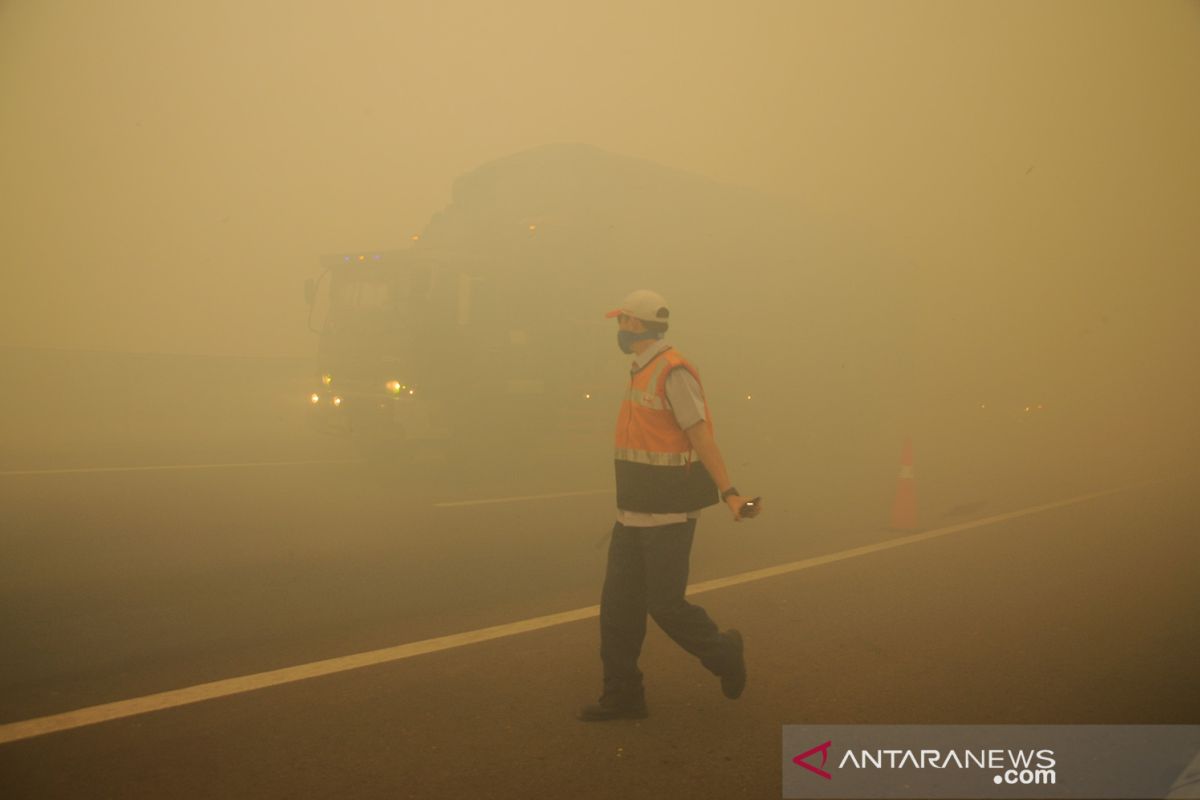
<point>901,541</point>
<point>92,715</point>
<point>521,498</point>
<point>16,731</point>
<point>167,467</point>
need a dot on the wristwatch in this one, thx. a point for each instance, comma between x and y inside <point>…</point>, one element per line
<point>725,495</point>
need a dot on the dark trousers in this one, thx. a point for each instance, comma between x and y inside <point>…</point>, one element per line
<point>648,573</point>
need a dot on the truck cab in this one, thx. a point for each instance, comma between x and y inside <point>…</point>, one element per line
<point>418,346</point>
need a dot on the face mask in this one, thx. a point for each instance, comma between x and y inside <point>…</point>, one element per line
<point>626,339</point>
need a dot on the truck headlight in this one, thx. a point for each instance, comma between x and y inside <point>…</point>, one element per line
<point>396,388</point>
<point>314,398</point>
<point>337,401</point>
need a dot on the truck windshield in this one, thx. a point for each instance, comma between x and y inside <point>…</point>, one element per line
<point>380,302</point>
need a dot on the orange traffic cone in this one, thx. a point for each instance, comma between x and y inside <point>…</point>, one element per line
<point>904,508</point>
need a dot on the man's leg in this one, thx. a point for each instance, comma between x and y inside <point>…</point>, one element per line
<point>668,550</point>
<point>623,615</point>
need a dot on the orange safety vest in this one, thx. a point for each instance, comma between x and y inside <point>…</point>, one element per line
<point>657,470</point>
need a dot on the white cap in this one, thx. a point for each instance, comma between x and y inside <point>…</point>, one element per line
<point>643,304</point>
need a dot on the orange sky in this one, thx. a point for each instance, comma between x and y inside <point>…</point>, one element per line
<point>171,173</point>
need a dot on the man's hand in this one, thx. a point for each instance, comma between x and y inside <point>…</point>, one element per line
<point>736,502</point>
<point>710,456</point>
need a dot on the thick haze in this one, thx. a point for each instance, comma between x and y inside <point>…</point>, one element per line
<point>171,174</point>
<point>959,234</point>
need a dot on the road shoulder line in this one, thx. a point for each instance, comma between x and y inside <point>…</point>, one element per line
<point>166,467</point>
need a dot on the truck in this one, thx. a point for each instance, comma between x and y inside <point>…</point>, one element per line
<point>420,348</point>
<point>488,326</point>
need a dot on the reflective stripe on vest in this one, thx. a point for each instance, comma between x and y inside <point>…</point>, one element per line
<point>645,399</point>
<point>657,459</point>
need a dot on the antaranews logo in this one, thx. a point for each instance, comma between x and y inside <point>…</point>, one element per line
<point>1012,767</point>
<point>975,762</point>
<point>823,749</point>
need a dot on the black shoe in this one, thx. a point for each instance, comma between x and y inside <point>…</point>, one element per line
<point>733,682</point>
<point>610,707</point>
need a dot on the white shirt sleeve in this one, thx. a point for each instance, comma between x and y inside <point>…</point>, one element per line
<point>686,397</point>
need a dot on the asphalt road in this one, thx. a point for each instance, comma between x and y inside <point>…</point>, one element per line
<point>116,585</point>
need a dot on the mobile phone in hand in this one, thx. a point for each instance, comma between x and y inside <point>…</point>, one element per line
<point>750,507</point>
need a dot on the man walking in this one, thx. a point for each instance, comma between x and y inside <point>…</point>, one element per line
<point>668,468</point>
